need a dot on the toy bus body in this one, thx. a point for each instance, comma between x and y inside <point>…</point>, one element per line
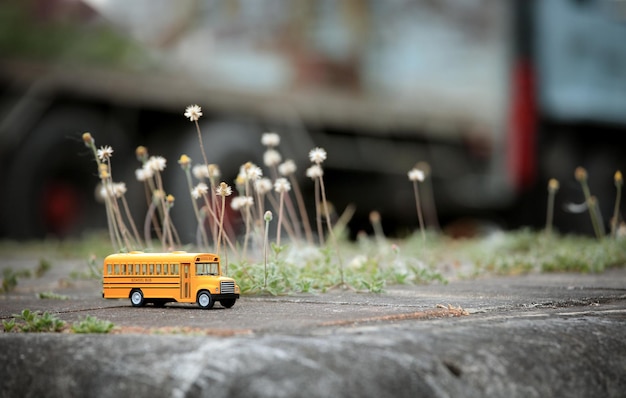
<point>159,278</point>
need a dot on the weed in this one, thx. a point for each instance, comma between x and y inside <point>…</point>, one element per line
<point>92,324</point>
<point>267,217</point>
<point>95,271</point>
<point>416,175</point>
<point>305,285</point>
<point>615,219</point>
<point>10,278</point>
<point>52,296</point>
<point>553,187</point>
<point>9,325</point>
<point>592,204</point>
<point>35,322</point>
<point>374,285</point>
<point>44,266</point>
<point>302,265</point>
<point>223,191</point>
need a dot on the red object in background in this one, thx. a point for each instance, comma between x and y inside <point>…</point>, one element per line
<point>61,207</point>
<point>521,157</point>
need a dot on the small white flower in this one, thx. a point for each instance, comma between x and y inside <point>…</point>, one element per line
<point>148,172</point>
<point>240,202</point>
<point>213,171</point>
<point>271,158</point>
<point>200,172</point>
<point>287,168</point>
<point>102,192</point>
<point>104,153</point>
<point>358,261</point>
<point>251,172</point>
<point>282,185</point>
<point>224,190</point>
<point>140,174</point>
<point>156,163</point>
<point>263,186</point>
<point>112,190</point>
<point>267,216</point>
<point>248,201</point>
<point>193,112</point>
<point>314,172</point>
<point>270,139</point>
<point>119,189</point>
<point>199,190</point>
<point>235,204</point>
<point>317,155</point>
<point>416,175</point>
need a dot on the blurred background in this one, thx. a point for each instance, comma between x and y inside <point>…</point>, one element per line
<point>496,96</point>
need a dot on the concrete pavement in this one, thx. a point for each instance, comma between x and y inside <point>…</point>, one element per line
<point>522,336</point>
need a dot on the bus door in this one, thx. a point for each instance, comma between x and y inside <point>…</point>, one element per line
<point>185,280</point>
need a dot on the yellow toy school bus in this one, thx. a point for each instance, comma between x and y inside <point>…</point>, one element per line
<point>159,278</point>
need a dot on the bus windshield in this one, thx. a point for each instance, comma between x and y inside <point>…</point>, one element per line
<point>207,269</point>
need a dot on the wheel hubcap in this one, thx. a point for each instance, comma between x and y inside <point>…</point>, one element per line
<point>136,298</point>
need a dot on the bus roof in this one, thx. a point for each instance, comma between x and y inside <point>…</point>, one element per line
<point>162,257</point>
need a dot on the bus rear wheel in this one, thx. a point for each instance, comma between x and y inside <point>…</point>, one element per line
<point>227,303</point>
<point>159,303</point>
<point>136,298</point>
<point>205,300</point>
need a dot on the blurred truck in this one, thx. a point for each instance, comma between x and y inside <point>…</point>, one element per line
<point>495,96</point>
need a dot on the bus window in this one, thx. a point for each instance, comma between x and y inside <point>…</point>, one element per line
<point>174,269</point>
<point>207,268</point>
<point>123,269</point>
<point>158,269</point>
<point>165,267</point>
<point>116,269</point>
<point>136,266</point>
<point>109,269</point>
<point>143,269</point>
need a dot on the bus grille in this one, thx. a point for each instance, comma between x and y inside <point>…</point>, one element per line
<point>227,287</point>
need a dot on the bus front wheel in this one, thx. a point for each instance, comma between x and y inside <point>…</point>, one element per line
<point>227,303</point>
<point>136,298</point>
<point>205,300</point>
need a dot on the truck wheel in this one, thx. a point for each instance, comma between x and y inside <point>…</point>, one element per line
<point>159,303</point>
<point>227,303</point>
<point>136,298</point>
<point>205,300</point>
<point>52,177</point>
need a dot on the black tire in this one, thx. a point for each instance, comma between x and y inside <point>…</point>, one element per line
<point>159,303</point>
<point>228,303</point>
<point>48,165</point>
<point>136,298</point>
<point>205,300</point>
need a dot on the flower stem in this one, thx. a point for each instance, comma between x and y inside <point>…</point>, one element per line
<point>330,230</point>
<point>419,210</point>
<point>550,213</point>
<point>615,219</point>
<point>302,208</point>
<point>200,220</point>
